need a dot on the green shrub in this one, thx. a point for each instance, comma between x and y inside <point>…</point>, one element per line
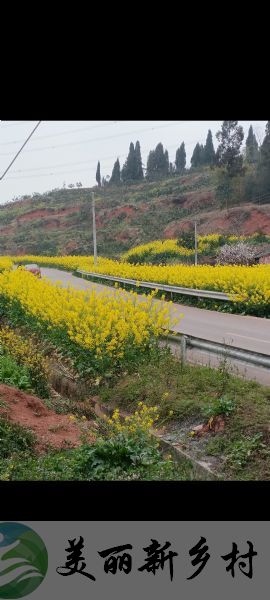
<point>221,406</point>
<point>242,450</point>
<point>14,438</point>
<point>13,374</point>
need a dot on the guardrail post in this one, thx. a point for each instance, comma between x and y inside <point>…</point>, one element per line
<point>183,348</point>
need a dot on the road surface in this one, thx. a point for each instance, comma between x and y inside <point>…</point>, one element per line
<point>249,333</point>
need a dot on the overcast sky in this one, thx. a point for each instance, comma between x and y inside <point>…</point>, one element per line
<point>68,151</point>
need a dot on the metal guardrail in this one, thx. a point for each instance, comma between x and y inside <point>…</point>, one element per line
<point>248,356</point>
<point>175,289</point>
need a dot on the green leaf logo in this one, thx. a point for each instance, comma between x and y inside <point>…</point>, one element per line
<point>23,560</point>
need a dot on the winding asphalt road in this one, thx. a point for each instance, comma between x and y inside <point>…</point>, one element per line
<point>250,333</point>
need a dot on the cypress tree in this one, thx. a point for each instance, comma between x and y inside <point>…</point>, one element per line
<point>138,158</point>
<point>209,150</point>
<point>98,177</point>
<point>115,176</point>
<point>158,163</point>
<point>197,156</point>
<point>129,170</point>
<point>252,150</point>
<point>180,159</point>
<point>265,147</point>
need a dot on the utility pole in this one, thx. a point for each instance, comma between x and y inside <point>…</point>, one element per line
<point>94,228</point>
<point>196,244</point>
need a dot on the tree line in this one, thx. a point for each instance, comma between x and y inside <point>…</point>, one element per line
<point>229,156</point>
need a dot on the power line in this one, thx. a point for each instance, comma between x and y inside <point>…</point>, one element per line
<point>54,166</point>
<point>41,137</point>
<point>83,162</point>
<point>71,164</point>
<point>49,174</point>
<point>2,176</point>
<point>92,140</point>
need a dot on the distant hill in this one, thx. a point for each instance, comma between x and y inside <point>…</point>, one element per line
<point>60,221</point>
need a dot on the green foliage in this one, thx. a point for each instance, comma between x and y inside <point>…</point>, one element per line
<point>265,148</point>
<point>139,169</point>
<point>54,466</point>
<point>69,465</point>
<point>180,159</point>
<point>252,150</point>
<point>129,168</point>
<point>13,374</point>
<point>220,406</point>
<point>260,238</point>
<point>121,452</point>
<point>158,163</point>
<point>132,169</point>
<point>98,176</point>
<point>197,158</point>
<point>228,153</point>
<point>241,451</point>
<point>209,156</point>
<point>187,240</point>
<point>116,175</point>
<point>224,189</point>
<point>14,438</point>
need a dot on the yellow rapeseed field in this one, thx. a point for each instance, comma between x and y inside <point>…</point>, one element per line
<point>5,263</point>
<point>171,246</point>
<point>158,247</point>
<point>248,285</point>
<point>101,323</point>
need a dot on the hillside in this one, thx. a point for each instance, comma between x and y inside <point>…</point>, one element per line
<point>60,221</point>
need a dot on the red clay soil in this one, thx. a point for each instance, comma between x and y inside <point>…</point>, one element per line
<point>243,220</point>
<point>7,229</point>
<point>43,212</point>
<point>30,412</point>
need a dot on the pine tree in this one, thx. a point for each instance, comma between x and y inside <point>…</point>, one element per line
<point>209,150</point>
<point>98,177</point>
<point>138,157</point>
<point>129,170</point>
<point>197,156</point>
<point>180,158</point>
<point>252,150</point>
<point>228,153</point>
<point>115,176</point>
